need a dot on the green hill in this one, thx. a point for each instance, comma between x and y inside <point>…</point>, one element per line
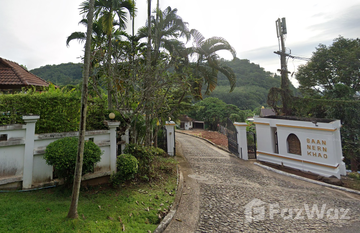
<point>252,82</point>
<point>252,85</point>
<point>63,74</point>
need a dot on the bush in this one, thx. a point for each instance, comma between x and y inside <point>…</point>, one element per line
<point>354,175</point>
<point>158,151</point>
<point>127,166</point>
<point>62,155</point>
<point>144,156</point>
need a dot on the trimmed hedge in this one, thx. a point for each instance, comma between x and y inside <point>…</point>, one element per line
<point>127,166</point>
<point>62,155</point>
<point>59,110</point>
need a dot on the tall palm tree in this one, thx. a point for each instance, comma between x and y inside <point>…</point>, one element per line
<point>207,65</point>
<point>80,153</point>
<point>166,28</point>
<point>108,12</point>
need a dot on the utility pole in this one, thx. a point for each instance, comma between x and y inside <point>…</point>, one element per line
<point>281,30</point>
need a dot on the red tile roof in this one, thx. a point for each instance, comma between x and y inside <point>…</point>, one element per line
<point>13,74</point>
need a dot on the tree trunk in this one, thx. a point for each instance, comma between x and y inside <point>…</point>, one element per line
<point>110,73</point>
<point>80,154</point>
<point>354,164</point>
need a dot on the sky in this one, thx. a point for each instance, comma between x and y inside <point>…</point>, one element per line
<point>33,33</point>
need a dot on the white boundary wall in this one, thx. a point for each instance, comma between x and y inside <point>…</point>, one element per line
<point>21,155</point>
<point>320,144</point>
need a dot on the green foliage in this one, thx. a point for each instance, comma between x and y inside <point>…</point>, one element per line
<point>338,63</point>
<point>63,74</point>
<point>62,155</point>
<point>213,111</point>
<point>156,151</point>
<point>59,110</point>
<point>354,175</point>
<point>127,166</point>
<point>145,157</point>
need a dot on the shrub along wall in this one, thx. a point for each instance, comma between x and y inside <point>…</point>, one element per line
<point>59,111</point>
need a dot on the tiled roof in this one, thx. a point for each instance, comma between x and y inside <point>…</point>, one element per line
<point>12,74</point>
<point>267,112</point>
<point>185,118</point>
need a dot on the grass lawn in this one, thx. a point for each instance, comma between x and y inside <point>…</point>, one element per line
<point>135,207</point>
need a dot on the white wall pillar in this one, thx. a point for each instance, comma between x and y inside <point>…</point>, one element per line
<point>113,146</point>
<point>170,130</point>
<point>242,140</point>
<point>30,122</point>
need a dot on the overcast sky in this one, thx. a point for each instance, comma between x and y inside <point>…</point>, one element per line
<point>33,33</point>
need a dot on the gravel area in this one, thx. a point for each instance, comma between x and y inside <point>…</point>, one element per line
<point>238,196</point>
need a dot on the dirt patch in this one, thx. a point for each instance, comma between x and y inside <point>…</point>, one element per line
<point>213,136</point>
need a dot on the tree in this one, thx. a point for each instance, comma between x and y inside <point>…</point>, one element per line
<point>333,77</point>
<point>208,65</point>
<point>80,154</point>
<point>213,111</point>
<point>166,28</point>
<point>338,63</point>
<point>106,12</point>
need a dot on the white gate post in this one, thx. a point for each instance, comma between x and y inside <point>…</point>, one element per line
<point>170,130</point>
<point>112,127</point>
<point>30,122</point>
<point>242,140</point>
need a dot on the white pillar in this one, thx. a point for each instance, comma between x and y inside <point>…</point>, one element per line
<point>30,122</point>
<point>113,146</point>
<point>125,138</point>
<point>337,144</point>
<point>242,140</point>
<point>170,130</point>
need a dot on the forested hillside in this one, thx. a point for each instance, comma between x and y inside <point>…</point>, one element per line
<point>66,73</point>
<point>252,82</point>
<point>252,85</point>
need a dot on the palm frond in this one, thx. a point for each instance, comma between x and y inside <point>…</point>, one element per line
<point>80,36</point>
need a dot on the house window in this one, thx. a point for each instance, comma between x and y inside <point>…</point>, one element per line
<point>294,145</point>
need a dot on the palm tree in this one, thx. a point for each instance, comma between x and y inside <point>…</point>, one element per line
<point>80,154</point>
<point>98,48</point>
<point>207,65</point>
<point>107,12</point>
<point>167,27</point>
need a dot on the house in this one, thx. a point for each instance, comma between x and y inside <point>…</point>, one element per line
<point>186,122</point>
<point>14,77</point>
<point>267,112</point>
<point>189,123</point>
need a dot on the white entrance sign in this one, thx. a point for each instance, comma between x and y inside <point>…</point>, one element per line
<point>304,145</point>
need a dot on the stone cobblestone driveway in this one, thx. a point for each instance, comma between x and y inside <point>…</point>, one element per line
<point>218,188</point>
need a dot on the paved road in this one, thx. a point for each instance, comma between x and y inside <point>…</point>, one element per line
<point>224,194</point>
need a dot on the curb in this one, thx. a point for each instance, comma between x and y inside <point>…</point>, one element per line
<point>167,219</point>
<point>308,180</point>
